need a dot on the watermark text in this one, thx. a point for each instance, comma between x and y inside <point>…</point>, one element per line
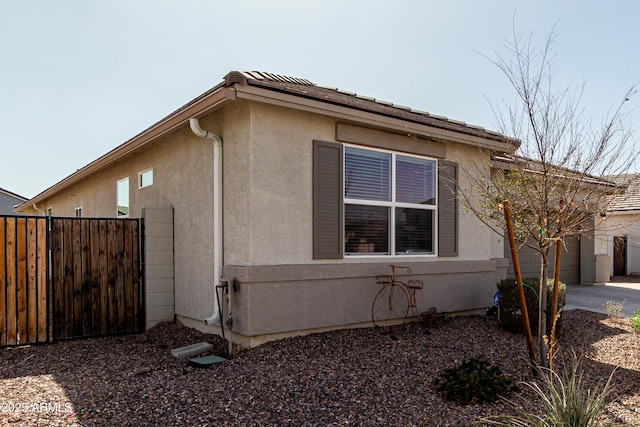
<point>42,407</point>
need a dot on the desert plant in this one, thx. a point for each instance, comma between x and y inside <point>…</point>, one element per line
<point>614,309</point>
<point>510,316</point>
<point>635,322</point>
<point>566,401</point>
<point>474,380</point>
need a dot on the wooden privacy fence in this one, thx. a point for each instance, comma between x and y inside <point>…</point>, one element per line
<point>23,280</point>
<point>96,271</point>
<point>69,278</point>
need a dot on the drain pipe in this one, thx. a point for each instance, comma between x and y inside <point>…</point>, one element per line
<point>36,208</point>
<point>217,213</point>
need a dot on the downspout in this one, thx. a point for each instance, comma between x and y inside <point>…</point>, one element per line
<point>217,213</point>
<point>36,208</point>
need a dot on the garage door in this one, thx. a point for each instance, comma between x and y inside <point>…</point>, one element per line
<point>530,261</point>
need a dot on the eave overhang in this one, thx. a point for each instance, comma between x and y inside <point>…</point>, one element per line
<point>367,118</point>
<point>207,102</point>
<point>300,95</point>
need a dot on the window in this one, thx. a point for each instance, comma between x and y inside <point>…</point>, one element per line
<point>49,212</point>
<point>382,203</point>
<point>123,197</point>
<point>78,212</point>
<point>389,203</point>
<point>145,178</point>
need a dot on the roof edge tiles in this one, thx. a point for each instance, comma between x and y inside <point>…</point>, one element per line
<point>305,88</point>
<point>216,96</point>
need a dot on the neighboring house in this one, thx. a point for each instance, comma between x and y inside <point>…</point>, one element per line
<point>584,258</point>
<point>301,195</point>
<point>623,225</point>
<point>8,201</point>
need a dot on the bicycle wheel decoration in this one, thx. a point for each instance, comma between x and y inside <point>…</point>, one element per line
<point>390,305</point>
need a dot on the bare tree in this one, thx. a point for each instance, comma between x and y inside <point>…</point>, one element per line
<point>556,180</point>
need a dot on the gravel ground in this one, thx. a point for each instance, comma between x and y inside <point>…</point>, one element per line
<point>359,377</point>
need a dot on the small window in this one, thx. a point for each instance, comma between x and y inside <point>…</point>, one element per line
<point>49,212</point>
<point>123,197</point>
<point>145,178</point>
<point>78,212</point>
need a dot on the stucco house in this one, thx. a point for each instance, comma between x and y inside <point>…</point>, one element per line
<point>584,258</point>
<point>296,195</point>
<point>623,224</point>
<point>8,200</point>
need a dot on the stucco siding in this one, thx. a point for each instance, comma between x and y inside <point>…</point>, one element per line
<point>281,183</point>
<point>476,240</point>
<point>280,299</point>
<point>268,220</point>
<point>281,191</point>
<point>268,227</point>
<point>183,179</point>
<point>624,225</point>
<point>237,167</point>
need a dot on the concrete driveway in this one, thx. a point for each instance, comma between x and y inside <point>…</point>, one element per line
<point>621,290</point>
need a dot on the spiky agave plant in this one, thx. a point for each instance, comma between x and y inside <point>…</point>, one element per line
<point>566,401</point>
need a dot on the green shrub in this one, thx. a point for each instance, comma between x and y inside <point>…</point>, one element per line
<point>473,381</point>
<point>510,316</point>
<point>635,322</point>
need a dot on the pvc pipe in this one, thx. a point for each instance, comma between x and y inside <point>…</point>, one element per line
<point>217,212</point>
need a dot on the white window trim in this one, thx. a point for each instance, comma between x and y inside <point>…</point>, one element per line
<point>140,178</point>
<point>78,209</point>
<point>392,204</point>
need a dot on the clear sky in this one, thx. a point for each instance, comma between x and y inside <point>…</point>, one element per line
<point>80,77</point>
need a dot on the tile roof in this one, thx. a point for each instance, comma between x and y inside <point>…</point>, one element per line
<point>630,198</point>
<point>305,88</point>
<point>509,161</point>
<point>282,84</point>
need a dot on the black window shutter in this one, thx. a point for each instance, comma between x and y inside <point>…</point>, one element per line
<point>447,209</point>
<point>327,200</point>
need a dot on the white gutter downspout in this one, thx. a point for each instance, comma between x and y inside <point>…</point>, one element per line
<point>36,208</point>
<point>217,213</point>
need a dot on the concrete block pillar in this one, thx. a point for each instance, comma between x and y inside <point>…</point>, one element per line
<point>159,266</point>
<point>602,269</point>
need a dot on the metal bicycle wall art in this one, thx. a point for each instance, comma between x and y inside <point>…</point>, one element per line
<point>396,300</point>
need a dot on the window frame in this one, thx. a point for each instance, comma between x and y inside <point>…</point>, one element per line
<point>118,197</point>
<point>392,205</point>
<point>78,212</point>
<point>140,175</point>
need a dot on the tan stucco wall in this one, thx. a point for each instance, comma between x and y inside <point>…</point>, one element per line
<point>276,301</point>
<point>268,222</point>
<point>279,184</point>
<point>268,236</point>
<point>183,179</point>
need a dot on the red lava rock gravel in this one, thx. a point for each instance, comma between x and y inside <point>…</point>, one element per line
<point>350,377</point>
